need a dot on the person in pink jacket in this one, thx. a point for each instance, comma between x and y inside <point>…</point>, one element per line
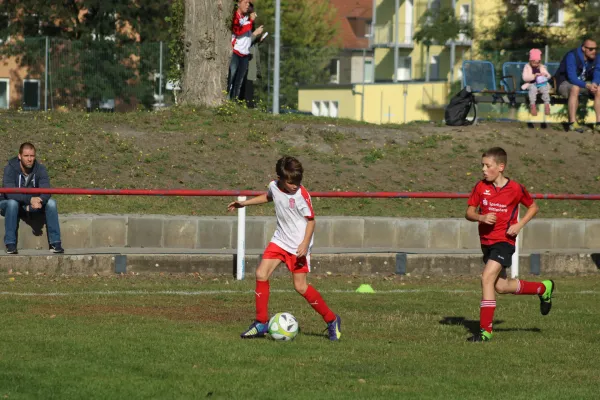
<point>535,76</point>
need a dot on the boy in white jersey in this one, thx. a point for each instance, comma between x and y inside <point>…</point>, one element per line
<point>290,244</point>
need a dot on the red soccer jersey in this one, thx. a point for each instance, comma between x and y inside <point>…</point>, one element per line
<point>504,202</point>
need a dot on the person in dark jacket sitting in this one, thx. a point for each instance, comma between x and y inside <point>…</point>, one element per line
<point>24,171</point>
<point>579,73</point>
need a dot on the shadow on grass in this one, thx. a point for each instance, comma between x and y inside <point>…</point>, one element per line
<point>473,326</point>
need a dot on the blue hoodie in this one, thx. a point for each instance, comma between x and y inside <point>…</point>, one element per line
<point>14,178</point>
<point>577,70</point>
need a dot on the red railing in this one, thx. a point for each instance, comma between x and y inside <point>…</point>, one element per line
<point>233,193</point>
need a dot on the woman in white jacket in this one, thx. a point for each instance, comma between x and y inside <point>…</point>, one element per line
<point>535,76</point>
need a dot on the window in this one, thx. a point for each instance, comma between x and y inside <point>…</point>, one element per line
<point>31,94</point>
<point>369,70</point>
<point>534,13</point>
<point>325,108</point>
<point>4,93</point>
<point>556,13</point>
<point>539,12</point>
<point>404,72</point>
<point>334,71</point>
<point>316,108</point>
<point>434,67</point>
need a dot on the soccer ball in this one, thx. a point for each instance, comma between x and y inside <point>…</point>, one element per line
<point>283,326</point>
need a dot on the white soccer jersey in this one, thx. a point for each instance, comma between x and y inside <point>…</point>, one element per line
<point>291,211</point>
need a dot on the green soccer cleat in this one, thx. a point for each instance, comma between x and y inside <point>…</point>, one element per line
<point>483,336</point>
<point>546,298</point>
<point>575,127</point>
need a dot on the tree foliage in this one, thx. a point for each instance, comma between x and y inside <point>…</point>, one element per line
<point>439,25</point>
<point>97,47</point>
<point>309,40</point>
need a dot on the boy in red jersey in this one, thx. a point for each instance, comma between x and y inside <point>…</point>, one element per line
<point>290,244</point>
<point>494,204</point>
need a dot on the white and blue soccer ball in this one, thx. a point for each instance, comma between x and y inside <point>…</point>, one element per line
<point>283,326</point>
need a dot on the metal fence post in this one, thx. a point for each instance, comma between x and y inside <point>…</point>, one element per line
<point>160,74</point>
<point>46,76</point>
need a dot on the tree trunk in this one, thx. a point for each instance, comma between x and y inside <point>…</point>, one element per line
<point>207,51</point>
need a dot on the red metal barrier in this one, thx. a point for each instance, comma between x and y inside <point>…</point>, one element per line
<point>233,193</point>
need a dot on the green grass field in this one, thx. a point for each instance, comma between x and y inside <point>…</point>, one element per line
<point>172,337</point>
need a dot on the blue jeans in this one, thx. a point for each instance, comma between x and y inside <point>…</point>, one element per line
<point>237,72</point>
<point>10,210</point>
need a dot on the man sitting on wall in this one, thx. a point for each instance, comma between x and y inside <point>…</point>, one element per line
<point>24,171</point>
<point>579,73</point>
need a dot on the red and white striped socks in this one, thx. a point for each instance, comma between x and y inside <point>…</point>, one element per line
<point>486,314</point>
<point>524,287</point>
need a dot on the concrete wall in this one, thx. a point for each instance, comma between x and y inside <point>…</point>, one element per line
<point>185,232</point>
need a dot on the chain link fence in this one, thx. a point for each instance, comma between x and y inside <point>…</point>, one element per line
<point>53,73</point>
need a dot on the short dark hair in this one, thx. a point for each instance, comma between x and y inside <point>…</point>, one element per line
<point>26,145</point>
<point>289,169</point>
<point>498,153</point>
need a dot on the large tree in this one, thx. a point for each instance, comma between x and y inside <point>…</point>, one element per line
<point>207,51</point>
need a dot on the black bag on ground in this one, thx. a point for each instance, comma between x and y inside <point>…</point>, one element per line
<point>459,107</point>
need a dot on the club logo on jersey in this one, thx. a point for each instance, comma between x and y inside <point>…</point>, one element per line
<point>292,203</point>
<point>485,202</point>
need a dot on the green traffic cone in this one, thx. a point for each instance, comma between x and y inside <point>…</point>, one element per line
<point>365,288</point>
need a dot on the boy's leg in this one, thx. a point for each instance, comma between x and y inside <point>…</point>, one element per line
<point>542,289</point>
<point>239,78</point>
<point>261,297</point>
<point>334,322</point>
<point>313,297</point>
<point>488,301</point>
<point>233,68</point>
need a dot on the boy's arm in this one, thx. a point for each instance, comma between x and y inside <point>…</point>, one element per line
<point>310,229</point>
<point>263,198</point>
<point>531,211</point>
<point>474,216</point>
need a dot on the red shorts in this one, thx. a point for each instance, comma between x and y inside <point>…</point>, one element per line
<point>296,265</point>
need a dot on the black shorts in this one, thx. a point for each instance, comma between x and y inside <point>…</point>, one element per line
<point>501,252</point>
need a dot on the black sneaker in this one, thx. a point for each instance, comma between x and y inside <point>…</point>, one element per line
<point>483,336</point>
<point>56,248</point>
<point>546,298</point>
<point>11,248</point>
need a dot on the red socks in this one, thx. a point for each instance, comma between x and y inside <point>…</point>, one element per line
<point>261,296</point>
<point>525,287</point>
<point>318,304</point>
<point>486,314</point>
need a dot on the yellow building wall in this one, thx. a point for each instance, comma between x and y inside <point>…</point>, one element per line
<point>342,94</point>
<point>383,103</point>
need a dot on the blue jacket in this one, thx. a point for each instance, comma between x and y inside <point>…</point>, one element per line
<point>14,178</point>
<point>573,68</point>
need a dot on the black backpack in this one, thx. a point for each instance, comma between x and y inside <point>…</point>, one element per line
<point>459,107</point>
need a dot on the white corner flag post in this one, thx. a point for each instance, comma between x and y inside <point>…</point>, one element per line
<point>514,270</point>
<point>241,241</point>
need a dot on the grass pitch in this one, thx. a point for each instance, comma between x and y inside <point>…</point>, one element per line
<point>178,337</point>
